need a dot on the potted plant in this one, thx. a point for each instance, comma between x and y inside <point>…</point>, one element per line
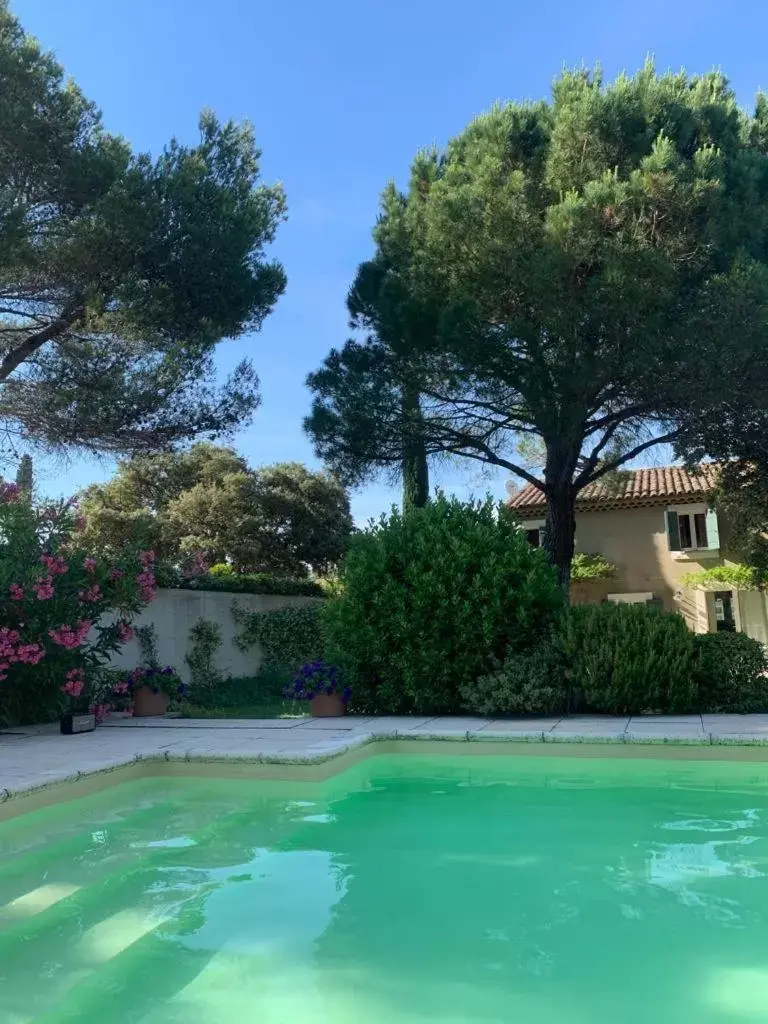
<point>152,688</point>
<point>77,716</point>
<point>321,685</point>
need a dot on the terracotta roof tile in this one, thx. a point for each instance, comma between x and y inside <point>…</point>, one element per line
<point>652,486</point>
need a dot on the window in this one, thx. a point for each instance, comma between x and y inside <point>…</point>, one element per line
<point>692,528</point>
<point>534,532</point>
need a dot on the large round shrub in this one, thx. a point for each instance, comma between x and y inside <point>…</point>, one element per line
<point>731,673</point>
<point>431,600</point>
<point>629,658</point>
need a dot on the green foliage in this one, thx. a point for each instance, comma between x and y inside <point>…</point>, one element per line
<point>741,501</point>
<point>288,637</point>
<point>432,598</point>
<point>205,640</point>
<point>221,569</point>
<point>591,567</point>
<point>599,264</point>
<point>629,658</point>
<point>531,682</point>
<point>121,272</point>
<point>283,520</point>
<point>731,673</point>
<point>724,577</point>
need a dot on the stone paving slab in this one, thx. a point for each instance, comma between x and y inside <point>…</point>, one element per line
<point>129,722</point>
<point>505,726</point>
<point>35,757</point>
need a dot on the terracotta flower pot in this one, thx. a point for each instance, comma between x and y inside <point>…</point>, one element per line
<point>328,705</point>
<point>147,704</point>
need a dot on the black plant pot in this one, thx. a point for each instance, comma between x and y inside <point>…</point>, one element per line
<point>70,725</point>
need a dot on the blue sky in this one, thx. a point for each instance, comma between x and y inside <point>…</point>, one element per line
<point>343,93</point>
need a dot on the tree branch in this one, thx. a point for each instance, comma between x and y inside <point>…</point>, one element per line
<point>628,456</point>
<point>13,359</point>
<point>593,457</point>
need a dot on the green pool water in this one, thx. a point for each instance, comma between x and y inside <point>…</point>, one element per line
<point>410,888</point>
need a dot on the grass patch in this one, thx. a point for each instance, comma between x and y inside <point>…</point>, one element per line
<point>267,709</point>
<point>259,696</point>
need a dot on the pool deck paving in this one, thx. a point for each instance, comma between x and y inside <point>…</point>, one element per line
<point>35,757</point>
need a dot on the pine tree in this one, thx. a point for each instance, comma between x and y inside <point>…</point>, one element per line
<point>24,474</point>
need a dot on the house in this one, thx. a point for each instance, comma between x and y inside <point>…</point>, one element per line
<point>656,526</point>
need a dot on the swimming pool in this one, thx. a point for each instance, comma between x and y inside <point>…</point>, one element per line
<point>410,888</point>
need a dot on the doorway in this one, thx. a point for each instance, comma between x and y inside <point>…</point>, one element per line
<point>724,617</point>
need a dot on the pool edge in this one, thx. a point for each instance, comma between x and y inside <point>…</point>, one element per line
<point>323,765</point>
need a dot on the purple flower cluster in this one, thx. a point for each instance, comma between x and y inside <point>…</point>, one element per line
<point>315,678</point>
<point>157,679</point>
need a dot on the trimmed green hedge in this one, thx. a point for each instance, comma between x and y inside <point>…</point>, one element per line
<point>237,583</point>
<point>625,659</point>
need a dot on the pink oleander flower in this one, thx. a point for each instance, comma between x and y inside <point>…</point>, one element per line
<point>16,591</point>
<point>147,584</point>
<point>125,633</point>
<point>44,588</point>
<point>90,595</point>
<point>55,564</point>
<point>10,493</point>
<point>100,711</point>
<point>9,639</point>
<point>30,654</point>
<point>73,687</point>
<point>116,574</point>
<point>89,564</point>
<point>71,637</point>
<point>120,688</point>
<point>147,558</point>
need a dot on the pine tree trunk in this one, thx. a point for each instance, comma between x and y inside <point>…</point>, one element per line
<point>414,467</point>
<point>559,534</point>
<point>560,528</point>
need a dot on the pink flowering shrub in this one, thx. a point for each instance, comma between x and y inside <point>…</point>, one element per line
<point>63,612</point>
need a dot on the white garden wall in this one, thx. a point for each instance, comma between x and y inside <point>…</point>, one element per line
<point>174,612</point>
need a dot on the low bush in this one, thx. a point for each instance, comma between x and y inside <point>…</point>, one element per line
<point>288,637</point>
<point>432,599</point>
<point>731,673</point>
<point>631,658</point>
<point>529,682</point>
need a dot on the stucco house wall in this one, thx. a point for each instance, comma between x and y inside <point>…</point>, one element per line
<point>635,540</point>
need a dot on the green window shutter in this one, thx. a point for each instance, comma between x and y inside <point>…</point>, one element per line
<point>713,533</point>
<point>673,531</point>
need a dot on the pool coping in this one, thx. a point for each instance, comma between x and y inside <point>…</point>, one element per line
<point>319,766</point>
